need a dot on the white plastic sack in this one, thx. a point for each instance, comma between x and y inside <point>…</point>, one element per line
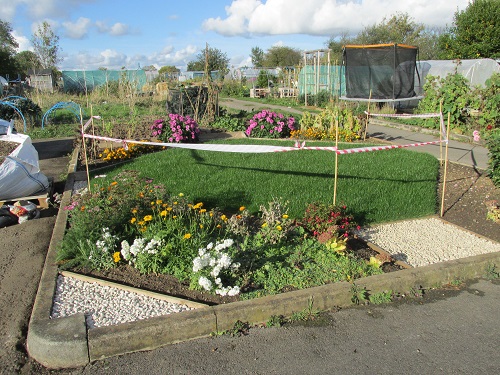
<point>20,174</point>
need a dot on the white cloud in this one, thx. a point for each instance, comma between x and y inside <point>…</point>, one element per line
<point>24,42</point>
<point>325,17</point>
<point>119,29</point>
<point>78,29</point>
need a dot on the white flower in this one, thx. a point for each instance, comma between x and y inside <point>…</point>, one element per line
<point>210,245</point>
<point>224,261</point>
<point>205,283</point>
<point>125,250</point>
<point>234,291</point>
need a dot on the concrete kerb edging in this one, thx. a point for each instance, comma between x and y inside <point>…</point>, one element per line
<point>66,342</point>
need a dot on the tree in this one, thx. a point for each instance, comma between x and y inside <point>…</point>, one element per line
<point>399,28</point>
<point>8,46</point>
<point>169,69</point>
<point>281,56</point>
<point>336,45</point>
<point>257,57</point>
<point>27,60</point>
<point>46,46</point>
<point>213,58</point>
<point>475,32</point>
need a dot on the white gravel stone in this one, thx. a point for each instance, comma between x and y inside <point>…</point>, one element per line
<point>422,242</point>
<point>104,305</point>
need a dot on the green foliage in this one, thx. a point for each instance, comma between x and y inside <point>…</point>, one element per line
<point>276,321</point>
<point>475,32</point>
<point>282,56</point>
<point>211,58</point>
<point>264,79</point>
<point>31,111</point>
<point>454,93</point>
<point>492,272</point>
<point>309,313</point>
<point>398,28</point>
<point>257,57</point>
<point>359,295</point>
<point>234,88</point>
<point>381,297</point>
<point>46,46</point>
<point>322,125</point>
<point>493,144</point>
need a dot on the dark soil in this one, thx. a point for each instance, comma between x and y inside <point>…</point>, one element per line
<point>6,149</point>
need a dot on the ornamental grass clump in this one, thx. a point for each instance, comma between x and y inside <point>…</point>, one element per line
<point>268,124</point>
<point>180,129</point>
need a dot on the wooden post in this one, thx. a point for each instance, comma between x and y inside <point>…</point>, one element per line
<point>336,161</point>
<point>445,165</point>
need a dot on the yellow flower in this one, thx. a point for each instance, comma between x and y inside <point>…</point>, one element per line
<point>134,211</point>
<point>187,236</point>
<point>203,210</point>
<point>114,183</point>
<point>223,218</point>
<point>279,227</point>
<point>152,203</point>
<point>133,220</point>
<point>169,209</point>
<point>285,216</point>
<point>175,202</point>
<point>148,218</point>
<point>263,225</point>
<point>116,256</point>
<point>197,205</point>
<point>164,213</point>
<point>181,194</point>
<point>174,217</point>
<point>201,226</point>
<point>242,208</point>
<point>143,229</point>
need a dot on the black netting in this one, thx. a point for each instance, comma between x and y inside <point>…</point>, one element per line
<point>387,71</point>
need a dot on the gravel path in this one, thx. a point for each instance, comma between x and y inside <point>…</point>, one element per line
<point>105,305</point>
<point>426,241</point>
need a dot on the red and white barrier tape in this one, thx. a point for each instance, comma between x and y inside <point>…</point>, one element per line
<point>258,148</point>
<point>419,115</point>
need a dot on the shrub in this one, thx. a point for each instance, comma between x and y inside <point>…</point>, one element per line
<point>493,144</point>
<point>320,218</point>
<point>181,129</point>
<point>268,124</point>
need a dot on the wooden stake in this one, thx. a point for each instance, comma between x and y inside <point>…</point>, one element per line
<point>336,161</point>
<point>445,164</point>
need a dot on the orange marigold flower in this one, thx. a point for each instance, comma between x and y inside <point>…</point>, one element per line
<point>148,218</point>
<point>114,183</point>
<point>133,220</point>
<point>164,213</point>
<point>242,208</point>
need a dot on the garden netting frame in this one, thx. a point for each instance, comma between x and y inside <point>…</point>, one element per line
<point>380,72</point>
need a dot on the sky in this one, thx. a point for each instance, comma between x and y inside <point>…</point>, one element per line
<point>135,34</point>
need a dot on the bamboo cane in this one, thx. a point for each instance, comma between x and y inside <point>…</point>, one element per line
<point>440,135</point>
<point>85,152</point>
<point>445,165</point>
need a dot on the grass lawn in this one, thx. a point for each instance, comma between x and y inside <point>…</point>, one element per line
<point>376,186</point>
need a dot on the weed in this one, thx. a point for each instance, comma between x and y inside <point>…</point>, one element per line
<point>492,272</point>
<point>382,297</point>
<point>416,292</point>
<point>276,321</point>
<point>309,313</point>
<point>359,294</point>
